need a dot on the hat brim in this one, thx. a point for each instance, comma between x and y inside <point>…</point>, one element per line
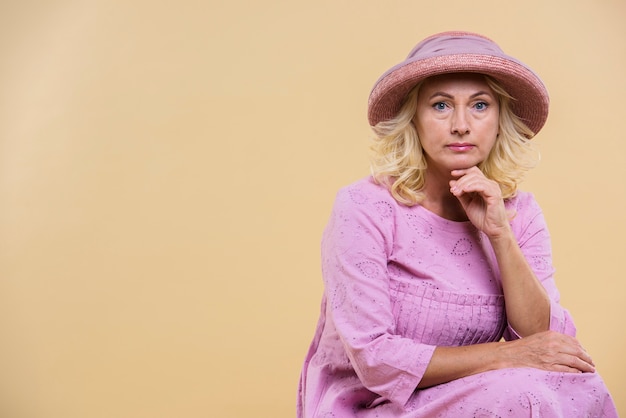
<point>531,100</point>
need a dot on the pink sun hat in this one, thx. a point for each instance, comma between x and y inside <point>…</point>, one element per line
<point>455,52</point>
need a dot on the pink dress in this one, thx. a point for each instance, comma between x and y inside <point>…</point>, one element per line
<point>400,281</point>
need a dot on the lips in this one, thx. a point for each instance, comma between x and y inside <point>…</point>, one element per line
<point>460,146</point>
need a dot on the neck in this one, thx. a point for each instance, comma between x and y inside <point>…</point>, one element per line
<point>439,200</point>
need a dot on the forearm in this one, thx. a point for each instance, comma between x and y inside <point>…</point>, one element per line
<point>526,301</point>
<point>547,350</point>
<point>451,363</point>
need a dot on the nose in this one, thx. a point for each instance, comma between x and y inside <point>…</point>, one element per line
<point>459,123</point>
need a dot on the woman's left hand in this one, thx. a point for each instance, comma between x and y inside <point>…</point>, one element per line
<point>482,201</point>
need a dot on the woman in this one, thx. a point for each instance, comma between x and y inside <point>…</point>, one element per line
<point>439,292</point>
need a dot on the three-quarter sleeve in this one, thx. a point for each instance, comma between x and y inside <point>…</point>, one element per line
<point>355,250</point>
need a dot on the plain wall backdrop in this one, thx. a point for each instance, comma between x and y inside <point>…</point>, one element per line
<point>167,169</point>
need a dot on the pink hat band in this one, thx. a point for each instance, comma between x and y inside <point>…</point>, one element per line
<point>452,52</point>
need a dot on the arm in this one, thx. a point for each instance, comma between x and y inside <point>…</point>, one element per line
<point>356,247</point>
<point>527,302</point>
<point>534,240</point>
<point>547,350</point>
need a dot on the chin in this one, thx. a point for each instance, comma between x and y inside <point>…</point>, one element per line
<point>463,166</point>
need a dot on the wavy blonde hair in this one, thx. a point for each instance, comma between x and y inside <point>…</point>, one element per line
<point>398,160</point>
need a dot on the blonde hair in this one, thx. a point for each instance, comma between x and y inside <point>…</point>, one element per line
<point>398,160</point>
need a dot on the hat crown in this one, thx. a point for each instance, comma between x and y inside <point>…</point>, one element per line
<point>454,43</point>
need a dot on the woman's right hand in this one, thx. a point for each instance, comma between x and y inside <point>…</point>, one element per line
<point>548,350</point>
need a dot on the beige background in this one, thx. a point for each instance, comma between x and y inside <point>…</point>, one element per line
<point>167,168</point>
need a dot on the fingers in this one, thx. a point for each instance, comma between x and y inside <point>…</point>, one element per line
<point>570,364</point>
<point>559,352</point>
<point>582,365</point>
<point>462,172</point>
<point>568,345</point>
<point>472,180</point>
<point>577,357</point>
<point>564,369</point>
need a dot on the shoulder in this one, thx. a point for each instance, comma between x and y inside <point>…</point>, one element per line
<point>528,218</point>
<point>367,193</point>
<point>364,190</point>
<point>523,203</point>
<point>366,204</point>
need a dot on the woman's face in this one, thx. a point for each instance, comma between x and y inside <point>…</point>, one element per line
<point>456,120</point>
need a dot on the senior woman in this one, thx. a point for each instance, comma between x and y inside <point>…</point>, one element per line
<point>439,296</point>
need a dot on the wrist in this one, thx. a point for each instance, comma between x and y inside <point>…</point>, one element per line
<point>503,237</point>
<point>501,359</point>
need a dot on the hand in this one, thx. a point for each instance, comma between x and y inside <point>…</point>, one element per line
<point>482,201</point>
<point>548,350</point>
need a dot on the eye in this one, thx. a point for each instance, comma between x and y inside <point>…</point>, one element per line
<point>439,106</point>
<point>481,106</point>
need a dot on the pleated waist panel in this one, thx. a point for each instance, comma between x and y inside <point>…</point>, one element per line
<point>439,317</point>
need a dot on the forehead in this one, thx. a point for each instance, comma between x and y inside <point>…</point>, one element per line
<point>457,82</point>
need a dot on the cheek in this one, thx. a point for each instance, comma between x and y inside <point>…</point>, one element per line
<point>494,126</point>
<point>428,127</point>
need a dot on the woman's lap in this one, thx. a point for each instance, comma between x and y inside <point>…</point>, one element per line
<point>520,392</point>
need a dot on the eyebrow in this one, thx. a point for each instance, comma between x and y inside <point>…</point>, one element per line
<point>478,93</point>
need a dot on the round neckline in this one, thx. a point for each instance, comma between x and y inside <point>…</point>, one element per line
<point>446,224</point>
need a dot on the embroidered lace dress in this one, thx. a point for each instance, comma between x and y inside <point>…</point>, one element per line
<point>400,281</point>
